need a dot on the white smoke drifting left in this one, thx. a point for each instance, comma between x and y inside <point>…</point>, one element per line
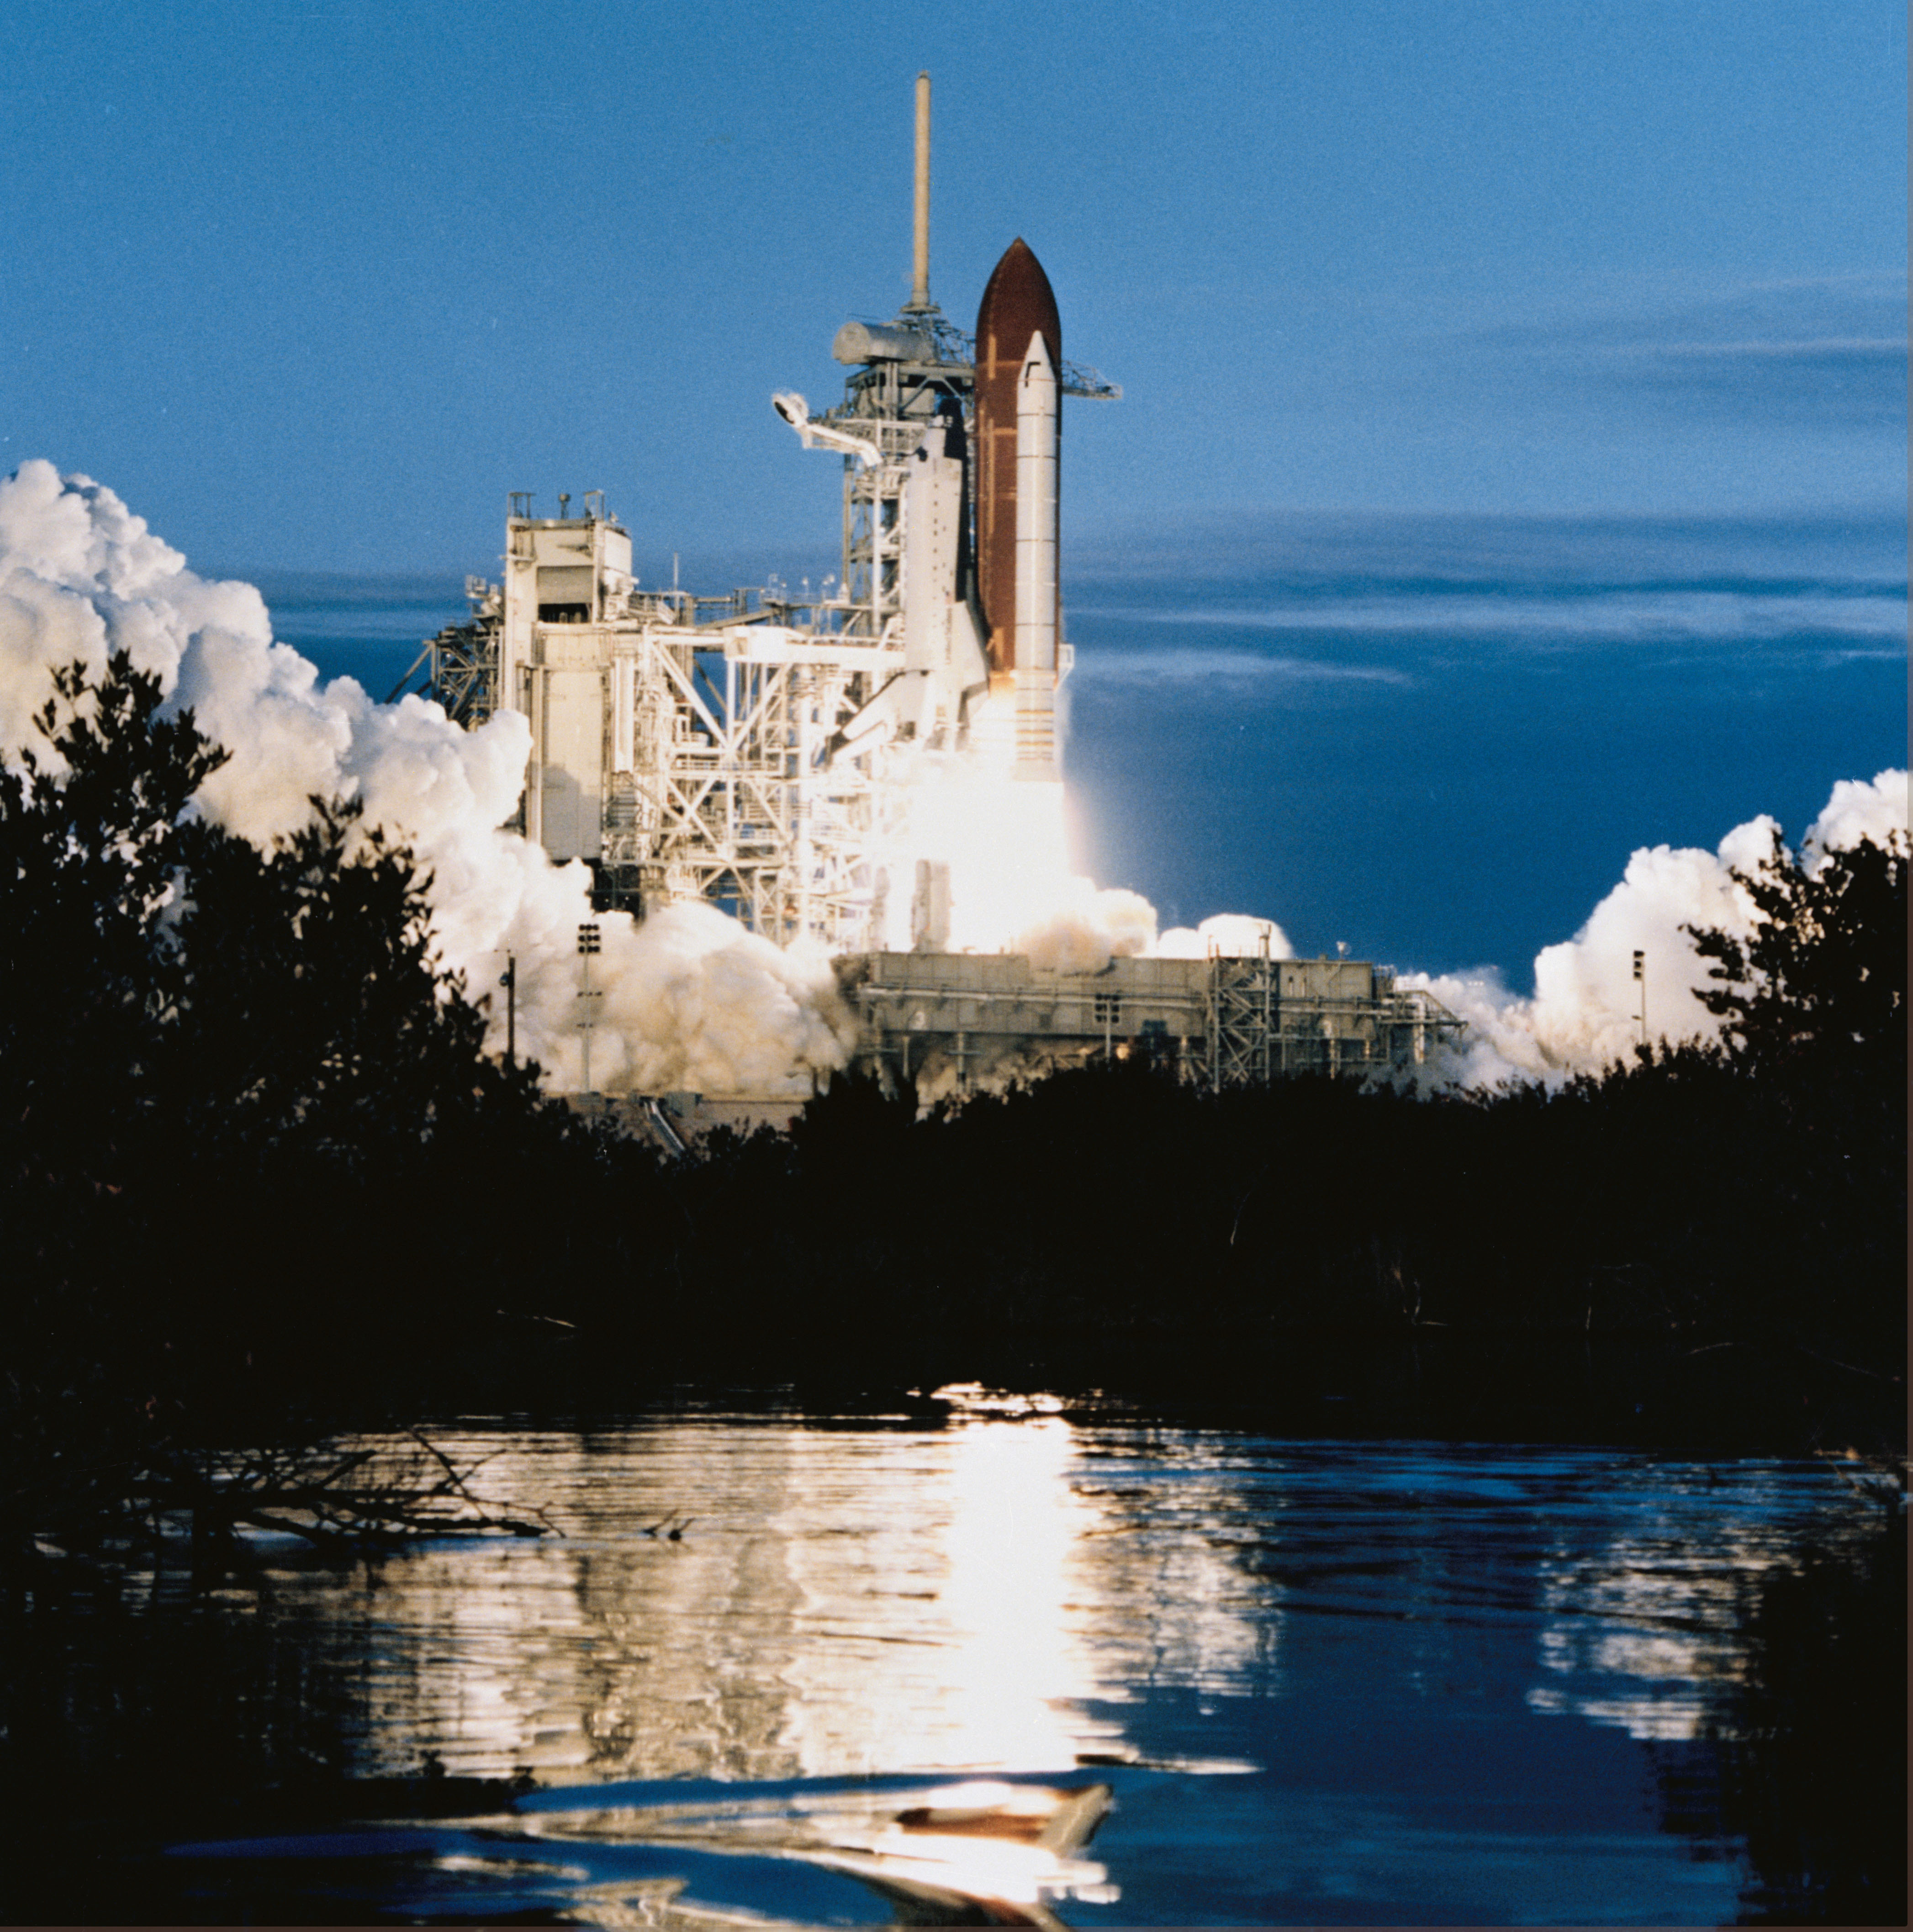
<point>690,1000</point>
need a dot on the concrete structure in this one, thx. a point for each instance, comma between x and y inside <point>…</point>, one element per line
<point>952,1021</point>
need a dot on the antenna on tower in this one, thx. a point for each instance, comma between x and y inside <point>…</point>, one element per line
<point>920,262</point>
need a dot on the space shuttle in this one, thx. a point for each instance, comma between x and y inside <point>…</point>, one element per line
<point>980,623</point>
<point>981,662</point>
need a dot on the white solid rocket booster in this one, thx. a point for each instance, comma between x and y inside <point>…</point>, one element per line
<point>1038,426</point>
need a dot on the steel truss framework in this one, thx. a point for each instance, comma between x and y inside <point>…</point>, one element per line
<point>464,670</point>
<point>715,786</point>
<point>719,780</point>
<point>1255,1031</point>
<point>720,790</point>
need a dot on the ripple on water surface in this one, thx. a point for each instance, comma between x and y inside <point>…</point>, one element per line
<point>1329,1681</point>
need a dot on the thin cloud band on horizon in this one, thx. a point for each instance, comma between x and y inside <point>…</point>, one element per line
<point>1106,666</point>
<point>1624,618</point>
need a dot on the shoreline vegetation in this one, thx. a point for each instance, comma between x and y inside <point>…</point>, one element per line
<point>261,1182</point>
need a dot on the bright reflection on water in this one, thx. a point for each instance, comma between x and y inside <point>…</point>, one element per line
<point>840,1602</point>
<point>1436,1678</point>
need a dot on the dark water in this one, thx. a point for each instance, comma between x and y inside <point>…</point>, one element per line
<point>1324,1681</point>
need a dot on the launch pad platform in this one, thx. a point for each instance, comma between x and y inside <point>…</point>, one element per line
<point>947,1022</point>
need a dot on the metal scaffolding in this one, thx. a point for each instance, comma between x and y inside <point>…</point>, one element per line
<point>460,663</point>
<point>686,746</point>
<point>464,670</point>
<point>1241,1028</point>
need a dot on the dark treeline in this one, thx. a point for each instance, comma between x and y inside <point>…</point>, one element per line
<point>258,1176</point>
<point>1685,1200</point>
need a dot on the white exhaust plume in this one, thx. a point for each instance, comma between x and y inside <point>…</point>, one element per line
<point>689,1001</point>
<point>1234,935</point>
<point>1585,1013</point>
<point>1085,927</point>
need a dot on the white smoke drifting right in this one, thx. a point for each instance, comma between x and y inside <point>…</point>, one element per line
<point>1584,1013</point>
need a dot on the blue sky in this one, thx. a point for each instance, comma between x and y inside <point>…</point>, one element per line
<point>1511,470</point>
<point>1438,737</point>
<point>314,283</point>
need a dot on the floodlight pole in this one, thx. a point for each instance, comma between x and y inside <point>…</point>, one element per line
<point>589,942</point>
<point>508,979</point>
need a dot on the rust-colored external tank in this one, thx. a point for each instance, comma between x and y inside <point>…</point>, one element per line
<point>1017,304</point>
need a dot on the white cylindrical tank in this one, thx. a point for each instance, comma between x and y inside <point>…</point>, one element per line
<point>1038,421</point>
<point>1038,428</point>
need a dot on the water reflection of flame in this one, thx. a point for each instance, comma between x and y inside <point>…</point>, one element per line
<point>1018,1659</point>
<point>983,1596</point>
<point>956,1643</point>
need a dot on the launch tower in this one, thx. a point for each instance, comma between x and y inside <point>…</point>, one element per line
<point>749,748</point>
<point>756,750</point>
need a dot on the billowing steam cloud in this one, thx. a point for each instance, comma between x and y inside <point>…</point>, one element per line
<point>689,1001</point>
<point>1234,934</point>
<point>1585,1011</point>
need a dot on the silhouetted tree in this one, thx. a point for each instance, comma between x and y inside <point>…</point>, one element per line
<point>240,1099</point>
<point>163,982</point>
<point>1821,979</point>
<point>91,842</point>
